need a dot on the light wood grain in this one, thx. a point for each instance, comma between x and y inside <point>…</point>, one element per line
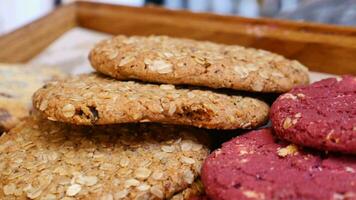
<point>26,42</point>
<point>322,48</point>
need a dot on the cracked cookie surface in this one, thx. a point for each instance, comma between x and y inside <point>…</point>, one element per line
<point>95,99</point>
<point>258,166</point>
<point>170,60</point>
<point>321,115</point>
<point>17,85</point>
<point>41,159</point>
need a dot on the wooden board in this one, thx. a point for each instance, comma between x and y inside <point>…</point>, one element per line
<point>26,42</point>
<point>323,48</point>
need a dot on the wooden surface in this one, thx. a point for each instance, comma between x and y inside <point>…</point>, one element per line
<point>322,48</point>
<point>26,42</point>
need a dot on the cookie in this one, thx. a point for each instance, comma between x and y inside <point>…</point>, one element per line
<point>94,99</point>
<point>17,84</point>
<point>321,115</point>
<point>192,192</point>
<point>170,60</point>
<point>256,166</point>
<point>41,159</point>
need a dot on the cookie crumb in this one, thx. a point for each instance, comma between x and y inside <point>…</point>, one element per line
<point>253,194</point>
<point>301,95</point>
<point>288,150</point>
<point>288,96</point>
<point>287,123</point>
<point>350,169</point>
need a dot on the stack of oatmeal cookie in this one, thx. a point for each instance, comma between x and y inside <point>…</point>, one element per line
<point>137,128</point>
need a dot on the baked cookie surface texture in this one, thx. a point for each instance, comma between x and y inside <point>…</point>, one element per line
<point>321,115</point>
<point>41,159</point>
<point>94,99</point>
<point>170,60</point>
<point>257,166</point>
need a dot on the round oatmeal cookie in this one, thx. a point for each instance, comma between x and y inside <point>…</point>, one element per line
<point>321,115</point>
<point>41,159</point>
<point>17,85</point>
<point>94,99</point>
<point>258,166</point>
<point>170,60</point>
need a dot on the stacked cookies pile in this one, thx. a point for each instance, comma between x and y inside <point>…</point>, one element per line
<point>136,129</point>
<point>309,153</point>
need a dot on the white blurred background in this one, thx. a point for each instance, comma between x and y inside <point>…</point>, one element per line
<point>16,13</point>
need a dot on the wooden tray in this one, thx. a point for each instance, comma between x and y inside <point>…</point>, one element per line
<point>323,48</point>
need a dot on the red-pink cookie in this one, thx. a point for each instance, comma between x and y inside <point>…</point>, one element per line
<point>257,166</point>
<point>321,115</point>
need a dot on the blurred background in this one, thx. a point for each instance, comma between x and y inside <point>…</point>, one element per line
<point>16,13</point>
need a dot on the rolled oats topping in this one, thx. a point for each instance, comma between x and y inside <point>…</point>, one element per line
<point>41,159</point>
<point>171,60</point>
<point>108,101</point>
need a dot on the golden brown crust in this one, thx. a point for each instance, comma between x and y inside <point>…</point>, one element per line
<point>195,189</point>
<point>17,84</point>
<point>94,99</point>
<point>40,159</point>
<point>170,60</point>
